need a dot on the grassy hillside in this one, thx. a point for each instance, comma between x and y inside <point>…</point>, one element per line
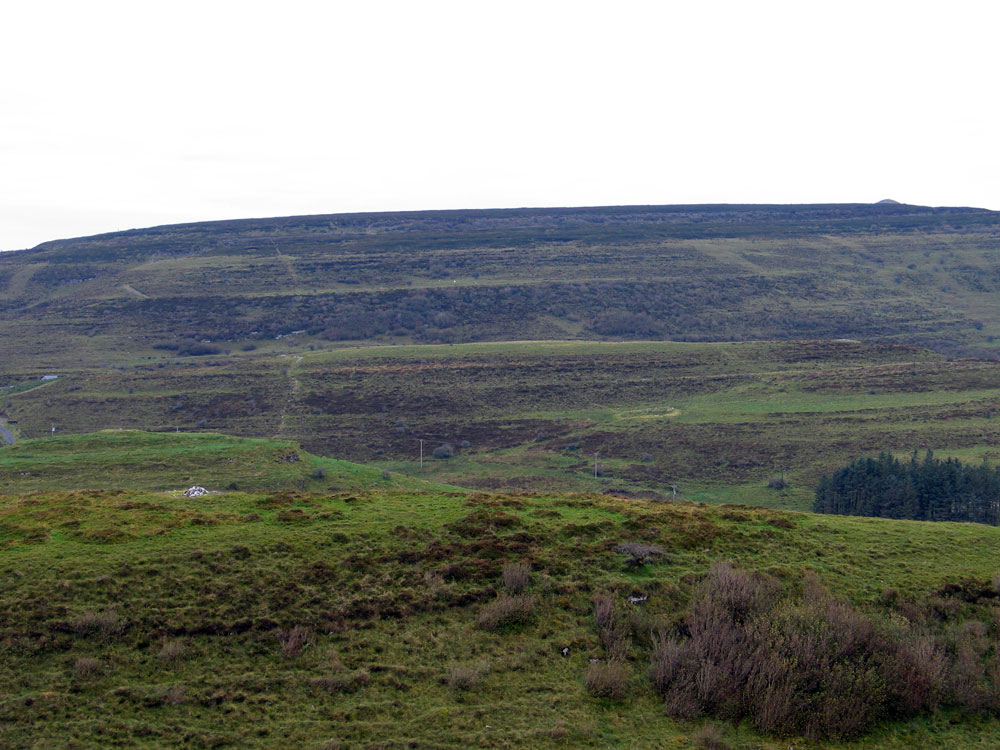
<point>716,420</point>
<point>890,273</point>
<point>312,602</point>
<point>133,460</point>
<point>141,619</point>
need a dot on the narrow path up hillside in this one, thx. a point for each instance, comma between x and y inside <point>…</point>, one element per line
<point>294,387</point>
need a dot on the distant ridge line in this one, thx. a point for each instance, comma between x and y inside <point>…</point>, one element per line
<point>886,207</point>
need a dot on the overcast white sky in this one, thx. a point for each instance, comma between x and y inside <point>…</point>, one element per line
<point>126,114</point>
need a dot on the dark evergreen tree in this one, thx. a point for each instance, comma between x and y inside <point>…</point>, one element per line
<point>928,489</point>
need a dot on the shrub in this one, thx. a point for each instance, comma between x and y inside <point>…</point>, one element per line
<point>463,678</point>
<point>294,640</point>
<point>453,572</point>
<point>612,627</point>
<point>608,679</point>
<point>172,696</point>
<point>105,624</point>
<point>435,583</point>
<point>516,577</point>
<point>815,666</point>
<point>604,611</point>
<point>196,349</point>
<point>637,555</point>
<point>709,737</point>
<point>669,661</point>
<point>172,650</point>
<point>343,683</point>
<point>777,483</point>
<point>87,666</point>
<point>444,451</point>
<point>291,515</point>
<point>506,611</point>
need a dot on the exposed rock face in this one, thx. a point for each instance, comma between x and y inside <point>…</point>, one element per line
<point>195,491</point>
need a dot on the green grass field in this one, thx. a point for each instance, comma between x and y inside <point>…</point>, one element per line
<point>142,619</point>
<point>131,460</point>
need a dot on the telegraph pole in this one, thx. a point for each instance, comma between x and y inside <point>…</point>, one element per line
<point>595,464</point>
<point>421,453</point>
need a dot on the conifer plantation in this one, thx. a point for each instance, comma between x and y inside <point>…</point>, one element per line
<point>931,489</point>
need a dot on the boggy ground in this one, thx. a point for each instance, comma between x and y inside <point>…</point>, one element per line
<point>363,619</point>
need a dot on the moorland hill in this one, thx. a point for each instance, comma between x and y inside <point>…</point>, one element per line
<point>885,272</point>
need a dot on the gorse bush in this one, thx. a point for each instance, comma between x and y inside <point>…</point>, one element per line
<point>814,665</point>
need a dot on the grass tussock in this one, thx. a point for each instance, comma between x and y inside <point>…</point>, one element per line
<point>294,640</point>
<point>463,677</point>
<point>638,554</point>
<point>506,611</point>
<point>104,624</point>
<point>709,737</point>
<point>172,651</point>
<point>607,679</point>
<point>87,666</point>
<point>516,577</point>
<point>346,682</point>
<point>613,627</point>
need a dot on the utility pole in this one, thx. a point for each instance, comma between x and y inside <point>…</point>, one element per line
<point>421,453</point>
<point>595,464</point>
